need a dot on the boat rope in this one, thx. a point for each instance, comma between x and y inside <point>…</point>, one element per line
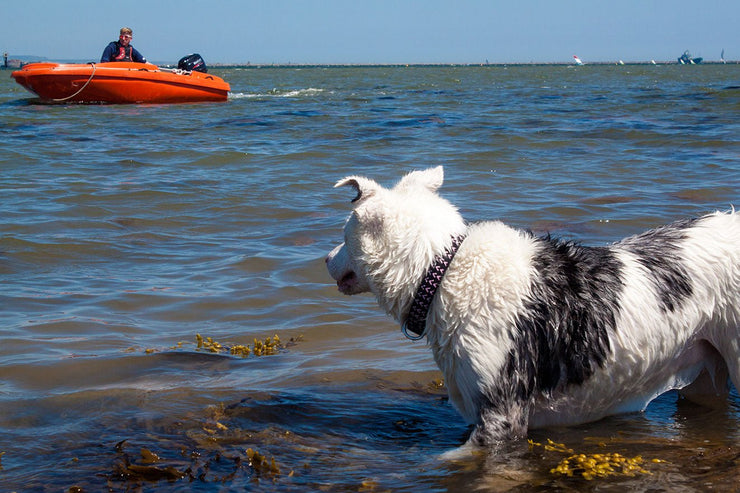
<point>59,100</point>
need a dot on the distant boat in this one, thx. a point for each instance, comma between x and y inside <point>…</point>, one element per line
<point>687,59</point>
<point>577,60</point>
<point>722,56</point>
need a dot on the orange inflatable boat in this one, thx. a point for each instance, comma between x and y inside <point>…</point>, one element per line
<point>119,82</point>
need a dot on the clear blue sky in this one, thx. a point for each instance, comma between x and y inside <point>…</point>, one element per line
<point>376,31</point>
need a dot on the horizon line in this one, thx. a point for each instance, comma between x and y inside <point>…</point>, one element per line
<point>20,58</point>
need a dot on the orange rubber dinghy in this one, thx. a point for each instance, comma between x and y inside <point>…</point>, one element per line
<point>119,82</point>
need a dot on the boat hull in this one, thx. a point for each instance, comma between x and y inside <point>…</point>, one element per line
<point>119,82</point>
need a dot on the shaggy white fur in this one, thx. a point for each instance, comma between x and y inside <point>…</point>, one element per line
<point>533,332</point>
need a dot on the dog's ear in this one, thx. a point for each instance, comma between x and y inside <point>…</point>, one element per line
<point>431,179</point>
<point>363,186</point>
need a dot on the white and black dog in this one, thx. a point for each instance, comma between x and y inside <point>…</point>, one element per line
<point>532,331</point>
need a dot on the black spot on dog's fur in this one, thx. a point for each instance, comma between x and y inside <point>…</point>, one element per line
<point>563,336</point>
<point>658,252</point>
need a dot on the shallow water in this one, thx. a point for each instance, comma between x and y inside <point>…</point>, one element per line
<point>127,230</point>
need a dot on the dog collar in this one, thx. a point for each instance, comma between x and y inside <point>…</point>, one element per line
<point>417,319</point>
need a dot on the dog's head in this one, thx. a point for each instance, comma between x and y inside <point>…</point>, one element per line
<point>392,236</point>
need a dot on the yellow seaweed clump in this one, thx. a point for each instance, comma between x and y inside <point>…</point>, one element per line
<point>591,466</point>
<point>551,446</point>
<point>260,464</point>
<point>240,350</point>
<point>208,344</point>
<point>271,345</point>
<point>266,347</point>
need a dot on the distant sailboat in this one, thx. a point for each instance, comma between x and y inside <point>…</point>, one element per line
<point>577,60</point>
<point>722,56</point>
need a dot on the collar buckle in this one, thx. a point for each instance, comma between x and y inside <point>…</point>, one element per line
<point>408,332</point>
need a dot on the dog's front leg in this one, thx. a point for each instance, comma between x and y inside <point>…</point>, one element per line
<point>497,423</point>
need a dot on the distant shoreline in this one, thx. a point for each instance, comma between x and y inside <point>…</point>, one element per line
<point>19,61</point>
<point>393,65</point>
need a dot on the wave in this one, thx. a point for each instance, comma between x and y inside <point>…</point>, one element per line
<point>277,93</point>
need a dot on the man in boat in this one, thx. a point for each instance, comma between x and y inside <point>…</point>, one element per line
<point>121,50</point>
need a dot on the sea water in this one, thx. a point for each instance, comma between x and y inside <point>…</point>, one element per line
<point>131,234</point>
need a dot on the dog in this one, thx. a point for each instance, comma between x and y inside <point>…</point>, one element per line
<point>533,332</point>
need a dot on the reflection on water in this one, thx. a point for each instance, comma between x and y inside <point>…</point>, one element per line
<point>127,230</point>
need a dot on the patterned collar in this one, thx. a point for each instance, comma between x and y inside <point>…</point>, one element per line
<point>417,318</point>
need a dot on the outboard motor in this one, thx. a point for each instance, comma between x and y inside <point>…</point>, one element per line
<point>192,62</point>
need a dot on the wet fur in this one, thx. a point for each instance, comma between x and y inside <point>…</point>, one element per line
<point>533,331</point>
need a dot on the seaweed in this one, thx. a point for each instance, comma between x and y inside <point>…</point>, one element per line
<point>260,347</point>
<point>148,469</point>
<point>260,464</point>
<point>217,466</point>
<point>592,466</point>
<point>215,452</point>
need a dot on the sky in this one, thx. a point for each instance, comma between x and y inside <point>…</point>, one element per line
<point>375,31</point>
